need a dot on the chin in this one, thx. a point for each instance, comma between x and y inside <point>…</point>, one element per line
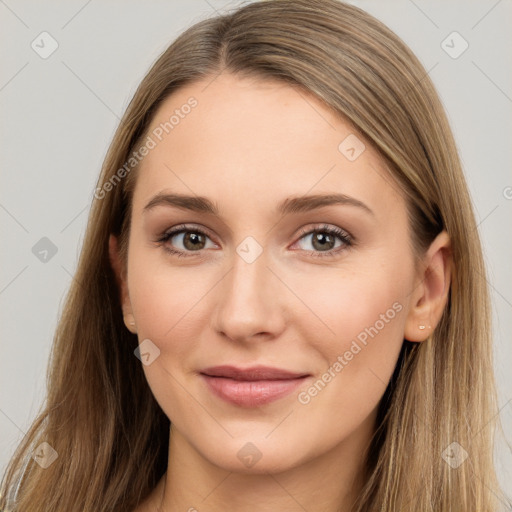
<point>259,456</point>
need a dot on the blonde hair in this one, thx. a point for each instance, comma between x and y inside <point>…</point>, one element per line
<point>100,416</point>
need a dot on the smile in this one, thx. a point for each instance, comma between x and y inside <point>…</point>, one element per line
<point>251,387</point>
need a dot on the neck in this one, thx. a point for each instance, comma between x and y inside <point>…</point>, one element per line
<point>329,482</point>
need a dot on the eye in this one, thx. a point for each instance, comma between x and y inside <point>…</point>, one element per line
<point>325,241</point>
<point>188,239</point>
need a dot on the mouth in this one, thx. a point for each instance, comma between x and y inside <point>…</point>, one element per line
<point>251,387</point>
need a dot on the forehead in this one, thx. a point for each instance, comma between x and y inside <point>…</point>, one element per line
<point>254,142</point>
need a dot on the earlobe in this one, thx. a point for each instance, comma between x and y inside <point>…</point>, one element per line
<point>119,271</point>
<point>431,292</point>
<point>129,321</point>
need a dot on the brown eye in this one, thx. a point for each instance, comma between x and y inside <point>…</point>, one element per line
<point>185,240</point>
<point>193,241</point>
<point>324,241</point>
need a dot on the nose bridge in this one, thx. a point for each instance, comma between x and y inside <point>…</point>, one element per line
<point>248,301</point>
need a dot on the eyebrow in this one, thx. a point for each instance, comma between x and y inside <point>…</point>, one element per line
<point>289,205</point>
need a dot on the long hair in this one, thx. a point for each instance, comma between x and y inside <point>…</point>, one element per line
<point>100,417</point>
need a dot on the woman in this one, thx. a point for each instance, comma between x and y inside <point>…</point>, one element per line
<point>280,302</point>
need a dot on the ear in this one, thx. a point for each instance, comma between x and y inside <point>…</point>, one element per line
<point>431,290</point>
<point>120,272</point>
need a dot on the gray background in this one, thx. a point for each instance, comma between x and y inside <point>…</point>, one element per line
<point>59,115</point>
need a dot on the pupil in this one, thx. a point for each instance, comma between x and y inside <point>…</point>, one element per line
<point>192,240</point>
<point>323,239</point>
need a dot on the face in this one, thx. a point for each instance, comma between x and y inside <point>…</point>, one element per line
<point>257,272</point>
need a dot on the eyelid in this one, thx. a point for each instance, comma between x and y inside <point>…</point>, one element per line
<point>346,238</point>
<point>180,228</point>
<point>342,233</point>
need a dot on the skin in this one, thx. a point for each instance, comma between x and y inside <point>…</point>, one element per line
<point>248,145</point>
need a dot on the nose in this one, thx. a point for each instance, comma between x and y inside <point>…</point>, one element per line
<point>250,302</point>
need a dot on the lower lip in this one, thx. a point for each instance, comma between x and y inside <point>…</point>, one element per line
<point>251,393</point>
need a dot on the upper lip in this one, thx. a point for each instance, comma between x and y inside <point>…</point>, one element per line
<point>252,373</point>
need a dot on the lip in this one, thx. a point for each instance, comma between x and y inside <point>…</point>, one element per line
<point>251,387</point>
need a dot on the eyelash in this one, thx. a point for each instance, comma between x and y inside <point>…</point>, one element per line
<point>345,237</point>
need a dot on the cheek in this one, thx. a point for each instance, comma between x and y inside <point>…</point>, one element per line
<point>365,314</point>
<point>171,302</point>
<point>166,302</point>
<point>170,309</point>
<point>349,304</point>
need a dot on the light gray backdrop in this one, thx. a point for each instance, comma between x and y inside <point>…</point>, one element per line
<point>68,71</point>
